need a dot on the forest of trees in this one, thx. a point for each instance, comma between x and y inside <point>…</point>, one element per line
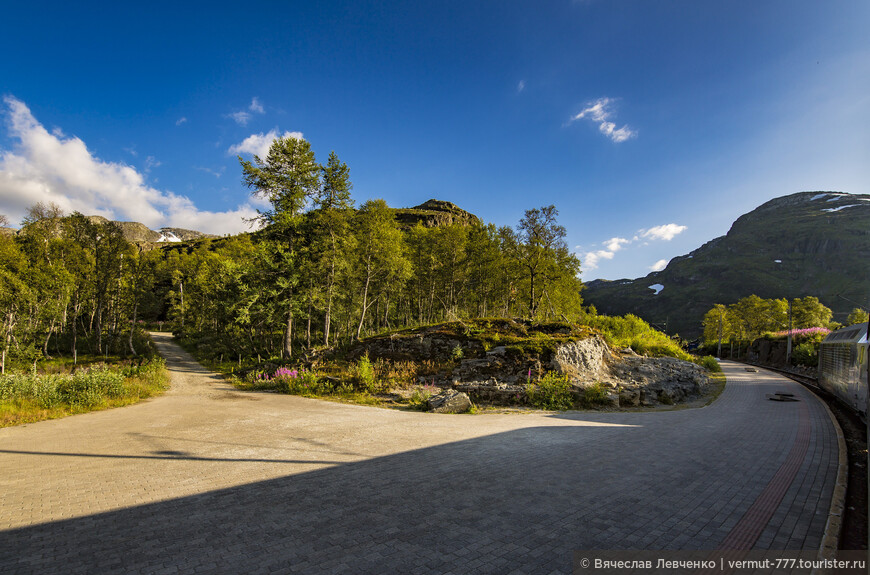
<point>319,271</point>
<point>752,317</point>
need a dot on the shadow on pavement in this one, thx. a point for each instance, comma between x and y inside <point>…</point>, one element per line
<point>519,499</point>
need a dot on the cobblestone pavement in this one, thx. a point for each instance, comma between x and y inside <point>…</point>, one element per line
<point>209,479</point>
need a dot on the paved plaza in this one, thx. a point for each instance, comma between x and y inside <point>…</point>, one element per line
<point>211,479</point>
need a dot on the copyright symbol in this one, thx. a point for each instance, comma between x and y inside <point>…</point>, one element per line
<point>584,563</point>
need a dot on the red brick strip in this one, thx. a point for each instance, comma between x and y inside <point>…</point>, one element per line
<point>747,531</point>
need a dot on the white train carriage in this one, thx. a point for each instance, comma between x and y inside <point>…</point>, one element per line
<point>843,365</point>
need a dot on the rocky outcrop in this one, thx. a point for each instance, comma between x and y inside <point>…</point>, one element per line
<point>500,374</point>
<point>450,401</point>
<point>583,359</point>
<point>661,380</point>
<point>428,344</point>
<point>434,213</point>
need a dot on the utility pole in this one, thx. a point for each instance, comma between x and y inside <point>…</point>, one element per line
<point>788,348</point>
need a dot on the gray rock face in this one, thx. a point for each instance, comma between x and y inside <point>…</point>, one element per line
<point>585,359</point>
<point>450,401</point>
<point>662,380</point>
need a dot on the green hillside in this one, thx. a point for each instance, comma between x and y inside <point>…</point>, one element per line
<point>809,243</point>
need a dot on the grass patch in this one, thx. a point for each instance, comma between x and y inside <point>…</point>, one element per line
<point>30,397</point>
<point>717,383</point>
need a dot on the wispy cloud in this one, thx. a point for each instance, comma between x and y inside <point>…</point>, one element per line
<point>665,232</point>
<point>242,117</point>
<point>609,248</point>
<point>180,121</point>
<point>600,112</point>
<point>259,144</point>
<point>521,86</point>
<point>215,173</point>
<point>659,266</point>
<point>48,167</point>
<point>590,259</point>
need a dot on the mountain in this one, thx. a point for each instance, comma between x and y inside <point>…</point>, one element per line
<point>433,213</point>
<point>136,232</point>
<point>809,243</point>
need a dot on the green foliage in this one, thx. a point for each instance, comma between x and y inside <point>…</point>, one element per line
<point>709,363</point>
<point>595,395</point>
<point>857,315</point>
<point>32,396</point>
<point>806,354</point>
<point>420,395</point>
<point>553,392</point>
<point>364,374</point>
<point>631,331</point>
<point>753,317</point>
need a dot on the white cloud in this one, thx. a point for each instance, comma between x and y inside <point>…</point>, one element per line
<point>259,144</point>
<point>659,266</point>
<point>600,112</point>
<point>180,121</point>
<point>241,118</point>
<point>665,232</point>
<point>590,259</point>
<point>49,167</point>
<point>615,244</point>
<point>521,86</point>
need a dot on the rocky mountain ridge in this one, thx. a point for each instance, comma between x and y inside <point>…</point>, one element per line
<point>808,243</point>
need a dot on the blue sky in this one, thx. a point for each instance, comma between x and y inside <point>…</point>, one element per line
<point>650,125</point>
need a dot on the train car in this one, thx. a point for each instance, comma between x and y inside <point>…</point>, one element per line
<point>843,365</point>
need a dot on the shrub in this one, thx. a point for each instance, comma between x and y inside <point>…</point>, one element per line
<point>364,374</point>
<point>806,354</point>
<point>595,395</point>
<point>420,396</point>
<point>709,363</point>
<point>88,387</point>
<point>553,391</point>
<point>631,331</point>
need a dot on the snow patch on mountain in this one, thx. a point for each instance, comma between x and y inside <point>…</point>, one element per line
<point>837,209</point>
<point>167,236</point>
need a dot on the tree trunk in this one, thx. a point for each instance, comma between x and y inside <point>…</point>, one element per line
<point>47,339</point>
<point>308,325</point>
<point>99,327</point>
<point>132,327</point>
<point>328,318</point>
<point>362,315</point>
<point>287,351</point>
<point>6,343</point>
<point>75,330</point>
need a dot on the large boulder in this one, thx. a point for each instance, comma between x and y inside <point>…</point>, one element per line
<point>585,359</point>
<point>450,401</point>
